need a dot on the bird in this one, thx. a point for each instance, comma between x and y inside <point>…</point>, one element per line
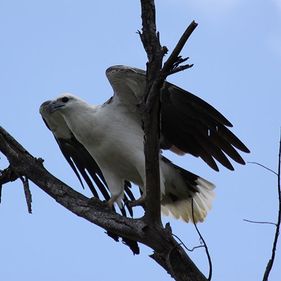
<point>79,159</point>
<point>84,164</point>
<point>111,135</point>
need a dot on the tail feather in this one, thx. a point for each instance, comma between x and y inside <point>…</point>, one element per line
<point>181,187</point>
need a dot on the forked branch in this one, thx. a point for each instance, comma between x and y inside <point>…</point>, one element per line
<point>151,105</point>
<point>148,230</point>
<point>167,252</point>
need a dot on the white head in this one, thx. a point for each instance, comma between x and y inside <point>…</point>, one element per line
<point>54,121</point>
<point>64,103</point>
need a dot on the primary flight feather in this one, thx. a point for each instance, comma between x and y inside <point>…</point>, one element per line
<point>111,135</point>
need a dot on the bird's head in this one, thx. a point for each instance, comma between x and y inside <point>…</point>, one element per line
<point>63,103</point>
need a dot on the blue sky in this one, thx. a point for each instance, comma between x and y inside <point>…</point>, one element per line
<point>50,47</point>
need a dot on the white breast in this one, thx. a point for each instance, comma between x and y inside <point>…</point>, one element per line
<point>113,136</point>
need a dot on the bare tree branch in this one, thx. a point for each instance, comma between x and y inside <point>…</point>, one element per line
<point>151,104</point>
<point>147,230</point>
<point>278,223</point>
<point>204,244</point>
<point>260,222</point>
<point>277,231</point>
<point>172,63</point>
<point>188,249</point>
<point>151,115</point>
<point>8,175</point>
<point>24,164</point>
<point>263,166</point>
<point>27,193</point>
<point>167,252</point>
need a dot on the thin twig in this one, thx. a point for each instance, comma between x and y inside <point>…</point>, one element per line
<point>274,246</point>
<point>260,222</point>
<point>270,170</point>
<point>188,249</point>
<point>180,68</point>
<point>27,193</point>
<point>1,192</point>
<point>204,243</point>
<point>171,62</point>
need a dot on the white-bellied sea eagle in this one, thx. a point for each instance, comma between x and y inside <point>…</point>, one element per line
<point>104,143</point>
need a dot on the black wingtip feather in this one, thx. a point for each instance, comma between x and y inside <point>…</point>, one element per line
<point>194,126</point>
<point>183,97</point>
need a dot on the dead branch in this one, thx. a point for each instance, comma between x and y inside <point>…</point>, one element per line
<point>172,65</point>
<point>155,76</point>
<point>204,244</point>
<point>263,166</point>
<point>177,263</point>
<point>151,114</point>
<point>148,230</point>
<point>27,193</point>
<point>278,223</point>
<point>260,222</point>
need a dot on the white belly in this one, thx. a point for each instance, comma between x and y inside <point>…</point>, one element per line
<point>116,143</point>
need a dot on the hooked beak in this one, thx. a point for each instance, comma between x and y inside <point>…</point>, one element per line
<point>52,106</point>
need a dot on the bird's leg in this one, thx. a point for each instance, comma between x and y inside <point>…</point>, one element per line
<point>109,203</point>
<point>138,202</point>
<point>115,198</point>
<point>95,201</point>
<point>112,200</point>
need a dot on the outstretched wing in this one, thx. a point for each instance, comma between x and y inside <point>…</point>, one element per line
<point>79,159</point>
<point>188,124</point>
<point>191,125</point>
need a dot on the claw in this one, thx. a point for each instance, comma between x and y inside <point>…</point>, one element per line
<point>112,200</point>
<point>138,202</point>
<point>95,201</point>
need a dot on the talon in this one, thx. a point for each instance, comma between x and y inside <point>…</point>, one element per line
<point>110,203</point>
<point>138,202</point>
<point>112,200</point>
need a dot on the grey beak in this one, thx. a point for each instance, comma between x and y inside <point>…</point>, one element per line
<point>52,106</point>
<point>44,107</point>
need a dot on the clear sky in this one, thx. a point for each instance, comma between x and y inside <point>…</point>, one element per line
<point>50,47</point>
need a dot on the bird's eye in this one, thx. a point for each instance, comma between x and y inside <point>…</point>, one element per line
<point>65,99</point>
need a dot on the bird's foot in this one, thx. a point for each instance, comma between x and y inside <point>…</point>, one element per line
<point>110,203</point>
<point>95,201</point>
<point>138,202</point>
<point>112,200</point>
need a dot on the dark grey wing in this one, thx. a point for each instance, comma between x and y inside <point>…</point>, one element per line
<point>80,160</point>
<point>82,164</point>
<point>191,125</point>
